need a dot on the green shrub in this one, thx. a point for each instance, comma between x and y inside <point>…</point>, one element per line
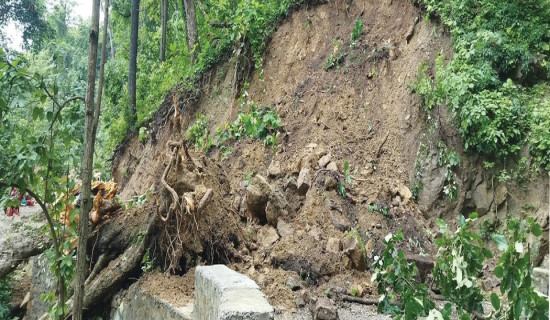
<point>460,260</point>
<point>258,123</point>
<point>5,297</point>
<point>357,31</point>
<point>493,42</point>
<point>540,134</point>
<point>197,134</point>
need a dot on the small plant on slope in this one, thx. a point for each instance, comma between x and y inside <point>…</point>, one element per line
<point>197,134</point>
<point>357,31</point>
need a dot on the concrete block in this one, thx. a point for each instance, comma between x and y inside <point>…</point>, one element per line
<point>221,293</point>
<point>139,304</point>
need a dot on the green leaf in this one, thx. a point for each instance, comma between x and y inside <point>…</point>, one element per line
<point>495,301</point>
<point>500,241</point>
<point>442,226</point>
<point>499,272</point>
<point>536,229</point>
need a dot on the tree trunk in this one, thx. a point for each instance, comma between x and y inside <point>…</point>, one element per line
<point>164,13</point>
<point>191,28</point>
<point>132,69</point>
<point>101,69</point>
<point>110,31</point>
<point>87,161</point>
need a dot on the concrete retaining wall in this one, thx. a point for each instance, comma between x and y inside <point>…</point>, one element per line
<point>138,304</point>
<point>221,293</point>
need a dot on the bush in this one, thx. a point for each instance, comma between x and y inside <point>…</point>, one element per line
<point>197,134</point>
<point>460,260</point>
<point>498,46</point>
<point>258,123</point>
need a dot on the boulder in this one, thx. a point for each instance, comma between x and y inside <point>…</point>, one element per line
<point>356,252</point>
<point>332,166</point>
<point>433,178</point>
<point>482,199</point>
<point>274,169</point>
<point>293,284</point>
<point>276,207</point>
<point>324,160</point>
<point>325,309</point>
<point>339,221</point>
<point>304,181</point>
<point>267,236</point>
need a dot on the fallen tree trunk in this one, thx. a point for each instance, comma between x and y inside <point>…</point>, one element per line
<point>110,279</point>
<point>19,254</point>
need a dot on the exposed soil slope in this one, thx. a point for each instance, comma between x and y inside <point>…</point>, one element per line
<point>361,112</point>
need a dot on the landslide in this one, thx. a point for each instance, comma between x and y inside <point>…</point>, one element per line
<point>299,241</point>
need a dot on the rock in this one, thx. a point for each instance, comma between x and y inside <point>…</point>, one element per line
<point>300,303</point>
<point>330,183</point>
<point>315,233</point>
<point>267,236</point>
<point>293,284</point>
<point>354,249</point>
<point>334,245</point>
<point>540,280</point>
<point>393,53</point>
<point>339,221</point>
<point>404,192</point>
<point>274,169</point>
<point>284,229</point>
<point>424,264</point>
<point>251,271</point>
<point>332,166</point>
<point>324,160</point>
<point>325,309</point>
<point>490,283</point>
<point>482,199</point>
<point>501,192</point>
<point>271,213</point>
<point>396,201</point>
<point>369,247</point>
<point>433,178</point>
<point>276,207</point>
<point>304,181</point>
<point>257,195</point>
<point>290,183</point>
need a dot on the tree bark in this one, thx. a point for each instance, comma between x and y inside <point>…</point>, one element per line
<point>164,13</point>
<point>86,175</point>
<point>110,31</point>
<point>191,29</point>
<point>101,69</point>
<point>132,69</point>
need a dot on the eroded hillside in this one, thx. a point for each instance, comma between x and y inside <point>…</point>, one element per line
<point>279,214</point>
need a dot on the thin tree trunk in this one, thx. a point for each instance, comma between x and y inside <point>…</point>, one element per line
<point>132,69</point>
<point>87,161</point>
<point>110,31</point>
<point>191,28</point>
<point>164,13</point>
<point>101,69</point>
